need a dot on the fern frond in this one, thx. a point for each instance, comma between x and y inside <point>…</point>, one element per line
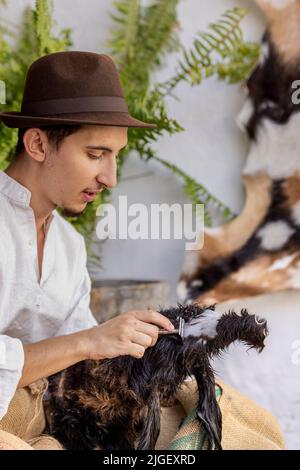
<point>214,52</point>
<point>142,38</point>
<point>158,32</point>
<point>43,26</point>
<point>36,39</point>
<point>43,22</point>
<point>124,38</point>
<point>220,51</point>
<point>239,63</point>
<point>197,193</point>
<point>13,66</point>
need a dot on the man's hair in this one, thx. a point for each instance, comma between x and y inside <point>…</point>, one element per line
<point>55,134</point>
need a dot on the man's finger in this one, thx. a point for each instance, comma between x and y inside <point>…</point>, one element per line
<point>156,318</point>
<point>147,328</point>
<point>142,339</point>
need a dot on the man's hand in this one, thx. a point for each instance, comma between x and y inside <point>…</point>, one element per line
<point>129,333</point>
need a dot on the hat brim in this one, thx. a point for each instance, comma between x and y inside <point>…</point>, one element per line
<point>18,120</point>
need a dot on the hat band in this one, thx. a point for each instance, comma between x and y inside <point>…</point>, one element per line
<point>76,105</point>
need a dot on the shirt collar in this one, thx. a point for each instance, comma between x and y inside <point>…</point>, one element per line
<point>15,191</point>
<point>18,194</point>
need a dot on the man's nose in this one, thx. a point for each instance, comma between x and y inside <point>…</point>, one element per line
<point>108,175</point>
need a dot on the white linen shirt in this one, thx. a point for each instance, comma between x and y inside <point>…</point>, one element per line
<point>31,309</point>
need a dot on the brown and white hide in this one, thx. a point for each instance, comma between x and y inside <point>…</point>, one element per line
<point>259,251</point>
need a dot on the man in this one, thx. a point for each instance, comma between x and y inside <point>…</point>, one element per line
<point>72,125</point>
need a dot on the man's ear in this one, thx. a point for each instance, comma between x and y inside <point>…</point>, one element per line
<point>35,142</point>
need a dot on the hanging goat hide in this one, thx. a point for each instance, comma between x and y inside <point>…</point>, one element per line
<point>259,251</point>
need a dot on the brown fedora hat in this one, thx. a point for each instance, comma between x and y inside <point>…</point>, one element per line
<point>73,87</point>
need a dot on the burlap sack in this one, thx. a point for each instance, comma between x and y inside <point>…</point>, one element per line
<point>24,422</point>
<point>10,442</point>
<point>246,426</point>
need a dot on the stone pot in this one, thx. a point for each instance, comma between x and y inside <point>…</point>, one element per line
<point>111,297</point>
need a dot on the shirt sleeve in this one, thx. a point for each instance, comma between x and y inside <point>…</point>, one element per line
<point>11,367</point>
<point>80,316</point>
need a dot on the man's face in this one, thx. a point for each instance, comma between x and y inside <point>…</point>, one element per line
<point>85,161</point>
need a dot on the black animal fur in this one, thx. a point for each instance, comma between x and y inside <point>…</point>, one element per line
<point>115,403</point>
<point>271,82</point>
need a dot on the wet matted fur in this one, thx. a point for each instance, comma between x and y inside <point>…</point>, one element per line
<point>115,403</point>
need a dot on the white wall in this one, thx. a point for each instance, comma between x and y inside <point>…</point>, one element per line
<point>271,378</point>
<point>213,150</point>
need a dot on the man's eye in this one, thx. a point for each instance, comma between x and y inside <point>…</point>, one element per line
<point>94,157</point>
